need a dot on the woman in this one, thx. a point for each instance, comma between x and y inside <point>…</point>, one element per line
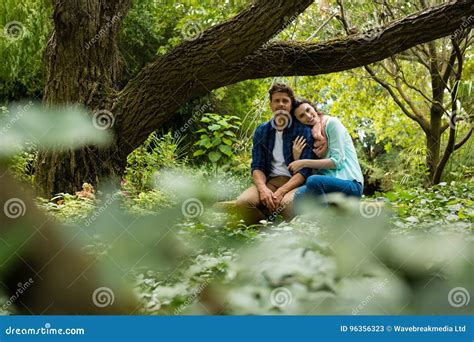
<point>338,170</point>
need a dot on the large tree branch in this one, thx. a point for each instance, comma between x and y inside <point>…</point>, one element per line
<point>301,58</point>
<point>162,87</point>
<point>165,85</point>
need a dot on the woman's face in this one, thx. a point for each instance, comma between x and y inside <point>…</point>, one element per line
<point>306,114</point>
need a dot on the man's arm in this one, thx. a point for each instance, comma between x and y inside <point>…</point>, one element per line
<point>258,151</point>
<point>294,182</point>
<point>266,195</point>
<point>258,166</point>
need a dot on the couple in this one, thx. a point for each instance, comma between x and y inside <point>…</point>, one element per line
<point>299,153</point>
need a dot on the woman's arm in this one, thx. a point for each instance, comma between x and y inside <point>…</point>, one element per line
<point>312,164</point>
<point>336,133</point>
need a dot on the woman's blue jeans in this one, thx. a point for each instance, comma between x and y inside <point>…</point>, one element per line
<point>317,186</point>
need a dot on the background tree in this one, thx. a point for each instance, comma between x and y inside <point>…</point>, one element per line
<point>424,82</point>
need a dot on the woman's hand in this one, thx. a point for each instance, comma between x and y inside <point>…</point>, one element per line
<point>320,148</point>
<point>296,165</point>
<point>298,145</point>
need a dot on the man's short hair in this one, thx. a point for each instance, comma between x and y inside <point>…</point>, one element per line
<point>282,88</point>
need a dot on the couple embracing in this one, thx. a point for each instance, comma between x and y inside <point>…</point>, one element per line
<point>300,153</point>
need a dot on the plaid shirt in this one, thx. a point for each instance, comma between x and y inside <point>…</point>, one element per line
<point>264,140</point>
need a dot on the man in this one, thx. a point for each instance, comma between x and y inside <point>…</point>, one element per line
<point>274,185</point>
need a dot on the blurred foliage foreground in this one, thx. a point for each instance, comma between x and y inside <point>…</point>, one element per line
<point>405,252</point>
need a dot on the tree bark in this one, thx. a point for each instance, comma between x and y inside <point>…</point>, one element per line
<point>83,67</point>
<point>225,54</point>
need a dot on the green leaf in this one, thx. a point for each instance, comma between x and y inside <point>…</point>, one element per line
<point>227,141</point>
<point>198,153</point>
<point>226,150</point>
<point>204,142</point>
<point>214,156</point>
<point>214,127</point>
<point>216,141</point>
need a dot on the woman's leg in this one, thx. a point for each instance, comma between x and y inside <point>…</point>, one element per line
<point>321,185</point>
<point>317,186</point>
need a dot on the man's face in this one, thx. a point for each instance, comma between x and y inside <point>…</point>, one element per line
<point>280,101</point>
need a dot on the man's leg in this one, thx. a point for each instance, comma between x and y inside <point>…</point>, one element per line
<point>285,208</point>
<point>249,206</point>
<point>287,205</point>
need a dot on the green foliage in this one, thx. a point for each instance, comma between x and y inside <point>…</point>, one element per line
<point>218,138</point>
<point>445,206</point>
<point>310,258</point>
<point>146,202</point>
<point>155,153</point>
<point>68,208</point>
<point>24,30</point>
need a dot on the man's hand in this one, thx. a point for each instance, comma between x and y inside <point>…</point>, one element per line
<point>278,196</point>
<point>266,197</point>
<point>296,166</point>
<point>298,146</point>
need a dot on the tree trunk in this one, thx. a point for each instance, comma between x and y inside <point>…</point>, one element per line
<point>433,141</point>
<point>83,66</point>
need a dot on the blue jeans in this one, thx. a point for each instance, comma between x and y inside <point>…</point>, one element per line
<point>317,186</point>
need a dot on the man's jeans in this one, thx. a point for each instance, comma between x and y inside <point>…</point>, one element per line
<point>317,186</point>
<point>253,210</point>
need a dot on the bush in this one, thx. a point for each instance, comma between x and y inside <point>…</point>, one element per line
<point>218,138</point>
<point>443,206</point>
<point>155,153</point>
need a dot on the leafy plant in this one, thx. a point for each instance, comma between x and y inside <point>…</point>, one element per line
<point>444,207</point>
<point>218,137</point>
<point>156,152</point>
